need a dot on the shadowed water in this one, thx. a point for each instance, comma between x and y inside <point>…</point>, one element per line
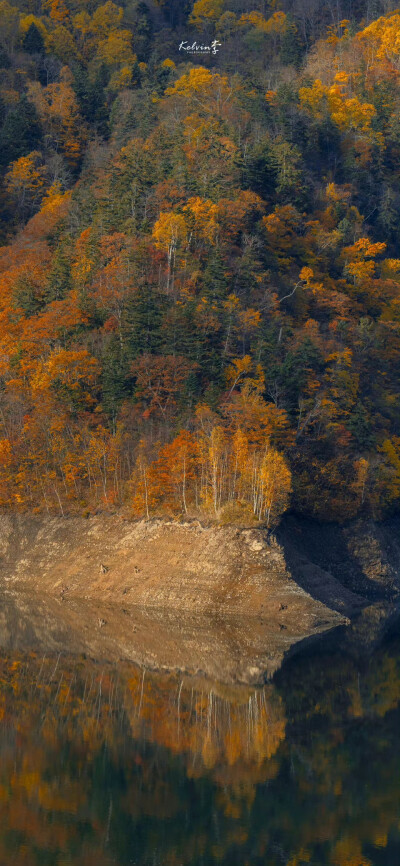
<point>104,764</point>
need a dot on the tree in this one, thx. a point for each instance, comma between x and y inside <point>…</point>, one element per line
<point>33,41</point>
<point>25,181</point>
<point>275,486</point>
<point>160,381</point>
<point>206,12</point>
<point>21,132</point>
<point>58,110</point>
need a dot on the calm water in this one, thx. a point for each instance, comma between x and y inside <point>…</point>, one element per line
<point>101,765</point>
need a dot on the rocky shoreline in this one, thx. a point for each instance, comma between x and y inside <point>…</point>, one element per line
<point>227,602</point>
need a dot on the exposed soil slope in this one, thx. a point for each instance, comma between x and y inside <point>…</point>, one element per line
<point>229,602</point>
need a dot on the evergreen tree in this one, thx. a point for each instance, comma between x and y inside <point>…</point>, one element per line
<point>21,132</point>
<point>142,323</point>
<point>33,41</point>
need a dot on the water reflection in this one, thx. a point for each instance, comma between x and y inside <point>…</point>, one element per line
<point>106,764</point>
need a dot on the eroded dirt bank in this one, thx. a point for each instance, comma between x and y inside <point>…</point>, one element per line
<point>224,601</point>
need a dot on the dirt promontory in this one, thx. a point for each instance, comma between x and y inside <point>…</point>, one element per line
<point>226,601</point>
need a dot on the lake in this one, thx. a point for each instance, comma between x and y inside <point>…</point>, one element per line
<point>113,764</point>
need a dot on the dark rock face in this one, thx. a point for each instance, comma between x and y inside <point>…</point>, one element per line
<point>230,603</point>
<point>360,559</point>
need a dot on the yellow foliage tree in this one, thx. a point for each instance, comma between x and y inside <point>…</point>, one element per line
<point>25,179</point>
<point>206,12</point>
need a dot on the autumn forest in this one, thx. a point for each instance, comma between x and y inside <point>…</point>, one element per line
<point>199,261</point>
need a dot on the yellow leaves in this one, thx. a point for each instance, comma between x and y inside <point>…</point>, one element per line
<point>390,448</point>
<point>348,113</point>
<point>347,852</point>
<point>342,77</point>
<point>276,24</point>
<point>55,200</point>
<point>58,110</point>
<point>66,376</point>
<point>250,320</point>
<point>312,98</point>
<point>360,271</point>
<point>271,97</point>
<point>356,256</point>
<point>206,11</point>
<point>116,48</point>
<point>276,485</point>
<point>256,19</point>
<point>390,269</point>
<point>241,368</point>
<point>306,274</point>
<point>204,215</point>
<point>26,176</point>
<point>362,468</point>
<point>105,18</point>
<point>198,222</point>
<point>364,248</point>
<point>210,92</point>
<point>121,78</point>
<point>170,231</point>
<point>197,81</point>
<point>27,20</point>
<point>381,40</point>
<point>337,194</point>
<point>341,358</point>
<point>303,856</point>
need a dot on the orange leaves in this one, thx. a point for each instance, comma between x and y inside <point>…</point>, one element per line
<point>347,112</point>
<point>236,214</point>
<point>69,372</point>
<point>222,464</point>
<point>25,178</point>
<point>58,110</point>
<point>167,482</point>
<point>57,10</point>
<point>160,380</point>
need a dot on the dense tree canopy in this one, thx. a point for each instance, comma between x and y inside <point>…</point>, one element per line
<point>200,275</point>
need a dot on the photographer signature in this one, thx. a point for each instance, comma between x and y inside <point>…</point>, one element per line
<point>198,48</point>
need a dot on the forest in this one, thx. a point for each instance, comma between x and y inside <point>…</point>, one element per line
<point>199,261</point>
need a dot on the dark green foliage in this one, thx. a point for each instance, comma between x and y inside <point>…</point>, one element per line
<point>27,297</point>
<point>20,133</point>
<point>361,428</point>
<point>260,171</point>
<point>92,97</point>
<point>59,282</point>
<point>215,280</point>
<point>33,41</point>
<point>143,320</point>
<point>116,381</point>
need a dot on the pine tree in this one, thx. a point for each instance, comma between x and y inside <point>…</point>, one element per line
<point>33,41</point>
<point>21,132</point>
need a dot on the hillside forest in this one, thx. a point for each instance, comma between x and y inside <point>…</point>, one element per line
<point>199,262</point>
